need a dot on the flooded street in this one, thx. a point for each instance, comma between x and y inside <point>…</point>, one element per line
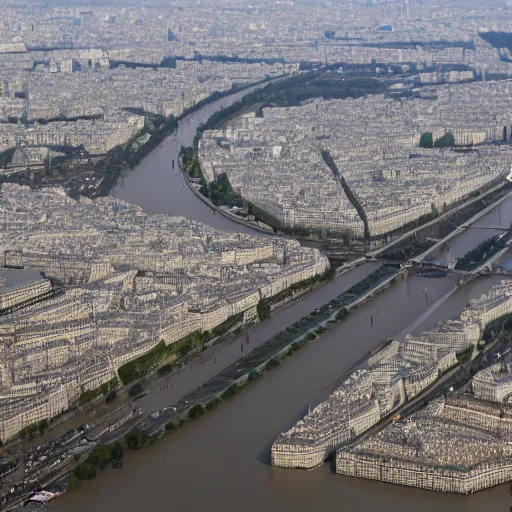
<point>168,390</point>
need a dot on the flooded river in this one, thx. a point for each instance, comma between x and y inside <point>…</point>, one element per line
<point>157,187</point>
<point>168,390</point>
<point>222,462</point>
<point>223,459</point>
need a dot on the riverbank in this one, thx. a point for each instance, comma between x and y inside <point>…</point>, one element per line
<point>94,175</point>
<point>216,209</point>
<point>208,402</point>
<point>124,158</point>
<point>289,339</point>
<point>133,372</point>
<point>288,92</point>
<point>170,125</point>
<point>157,185</point>
<point>419,243</point>
<point>488,250</point>
<point>240,432</point>
<point>458,409</point>
<point>164,360</point>
<point>272,353</point>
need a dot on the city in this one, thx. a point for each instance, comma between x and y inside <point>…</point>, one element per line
<point>242,240</point>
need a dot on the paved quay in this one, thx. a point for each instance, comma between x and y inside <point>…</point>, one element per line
<point>168,390</point>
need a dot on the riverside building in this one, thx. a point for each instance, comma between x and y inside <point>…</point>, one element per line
<point>374,141</point>
<point>459,445</point>
<point>131,281</point>
<point>396,374</point>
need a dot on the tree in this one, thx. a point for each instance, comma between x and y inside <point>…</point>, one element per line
<point>213,403</point>
<point>73,482</point>
<point>43,426</point>
<point>301,230</point>
<point>100,456</point>
<point>253,375</point>
<point>171,426</point>
<point>263,309</point>
<point>116,450</point>
<point>426,140</point>
<point>29,431</point>
<point>347,235</point>
<point>111,396</point>
<point>196,412</point>
<point>446,141</point>
<point>231,392</point>
<point>135,390</point>
<point>135,440</point>
<point>85,471</point>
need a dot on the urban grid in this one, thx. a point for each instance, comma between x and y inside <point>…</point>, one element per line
<point>347,125</point>
<point>136,280</point>
<point>375,142</point>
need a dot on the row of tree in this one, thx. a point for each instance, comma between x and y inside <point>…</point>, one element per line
<point>145,363</point>
<point>104,389</point>
<point>161,352</point>
<point>100,458</point>
<point>30,431</point>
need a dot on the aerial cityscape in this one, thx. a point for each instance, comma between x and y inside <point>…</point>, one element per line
<point>375,141</point>
<point>256,256</point>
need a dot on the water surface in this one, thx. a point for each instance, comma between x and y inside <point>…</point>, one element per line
<point>222,461</point>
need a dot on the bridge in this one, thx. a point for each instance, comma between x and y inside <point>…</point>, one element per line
<point>485,269</point>
<point>446,216</point>
<point>498,272</point>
